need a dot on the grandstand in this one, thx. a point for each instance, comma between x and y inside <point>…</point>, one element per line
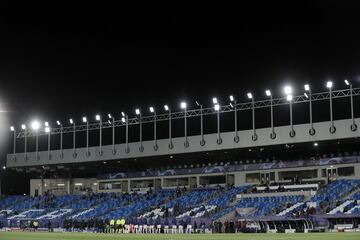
<point>242,181</point>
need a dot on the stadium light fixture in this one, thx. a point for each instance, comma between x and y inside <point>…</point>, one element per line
<point>287,90</point>
<point>306,95</point>
<point>47,129</point>
<point>35,125</point>
<point>232,99</point>
<point>123,114</point>
<point>215,101</point>
<point>23,126</point>
<point>46,124</point>
<point>58,123</point>
<point>151,109</point>
<point>289,97</point>
<point>97,117</point>
<point>316,144</point>
<point>329,84</point>
<point>166,107</point>
<point>249,95</point>
<point>4,167</point>
<point>268,93</point>
<point>183,105</point>
<point>12,128</point>
<point>137,111</point>
<point>109,116</point>
<point>347,82</point>
<point>217,107</point>
<point>307,87</point>
<point>84,119</point>
<point>71,121</point>
<point>123,119</point>
<point>353,126</point>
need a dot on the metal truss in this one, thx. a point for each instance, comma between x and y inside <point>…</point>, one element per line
<point>197,112</point>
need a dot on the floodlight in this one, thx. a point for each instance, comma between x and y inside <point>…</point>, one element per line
<point>231,98</point>
<point>109,115</point>
<point>23,126</point>
<point>123,119</point>
<point>217,107</point>
<point>183,105</point>
<point>305,94</point>
<point>287,90</point>
<point>151,109</point>
<point>4,167</point>
<point>249,95</point>
<point>215,101</point>
<point>12,128</point>
<point>46,124</point>
<point>35,125</point>
<point>84,119</point>
<point>329,84</point>
<point>58,123</point>
<point>347,82</point>
<point>123,114</point>
<point>137,111</point>
<point>307,87</point>
<point>268,93</point>
<point>316,144</point>
<point>47,129</point>
<point>97,117</point>
<point>166,107</point>
<point>71,121</point>
<point>289,97</point>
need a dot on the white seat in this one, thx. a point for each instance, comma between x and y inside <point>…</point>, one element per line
<point>166,229</point>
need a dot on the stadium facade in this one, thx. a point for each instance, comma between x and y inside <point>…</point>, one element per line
<point>272,179</point>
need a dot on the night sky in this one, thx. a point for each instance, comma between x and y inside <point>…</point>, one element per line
<point>54,66</point>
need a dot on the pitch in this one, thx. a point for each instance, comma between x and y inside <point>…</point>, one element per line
<point>89,236</point>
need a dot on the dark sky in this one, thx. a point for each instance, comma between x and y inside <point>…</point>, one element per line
<point>55,65</point>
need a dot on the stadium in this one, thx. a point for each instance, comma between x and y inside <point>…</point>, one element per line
<point>276,162</point>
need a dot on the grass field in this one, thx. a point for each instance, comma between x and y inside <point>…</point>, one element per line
<point>89,236</point>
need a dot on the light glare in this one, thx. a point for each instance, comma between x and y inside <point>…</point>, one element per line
<point>347,82</point>
<point>23,126</point>
<point>287,90</point>
<point>12,128</point>
<point>217,107</point>
<point>250,96</point>
<point>47,129</point>
<point>268,93</point>
<point>289,97</point>
<point>97,117</point>
<point>151,109</point>
<point>166,107</point>
<point>71,121</point>
<point>231,98</point>
<point>329,84</point>
<point>84,119</point>
<point>307,87</point>
<point>58,123</point>
<point>137,111</point>
<point>183,105</point>
<point>215,101</point>
<point>35,125</point>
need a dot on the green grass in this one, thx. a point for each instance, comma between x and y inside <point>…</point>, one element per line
<point>90,236</point>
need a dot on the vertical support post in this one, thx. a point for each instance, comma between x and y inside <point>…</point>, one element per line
<point>100,140</point>
<point>61,141</point>
<point>141,148</point>
<point>14,147</point>
<point>310,109</point>
<point>186,143</point>
<point>155,137</point>
<point>113,135</point>
<point>127,149</point>
<point>254,136</point>
<point>49,139</point>
<point>202,142</point>
<point>74,140</point>
<point>87,139</point>
<point>219,140</point>
<point>37,144</point>
<point>236,138</point>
